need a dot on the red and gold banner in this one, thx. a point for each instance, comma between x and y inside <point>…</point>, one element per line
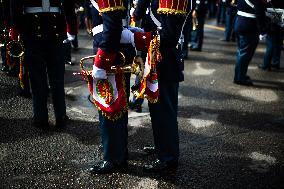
<point>149,83</point>
<point>173,7</point>
<point>110,96</point>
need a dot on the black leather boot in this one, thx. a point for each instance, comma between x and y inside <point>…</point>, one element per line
<point>104,167</point>
<point>158,166</point>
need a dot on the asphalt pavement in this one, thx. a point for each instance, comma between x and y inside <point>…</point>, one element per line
<point>231,136</point>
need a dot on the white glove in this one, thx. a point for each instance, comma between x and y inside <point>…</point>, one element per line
<point>81,9</point>
<point>127,37</point>
<point>99,73</point>
<point>135,29</point>
<point>262,37</point>
<point>131,11</point>
<point>69,38</point>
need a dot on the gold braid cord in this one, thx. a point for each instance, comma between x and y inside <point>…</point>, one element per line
<point>21,73</point>
<point>154,56</point>
<point>171,11</point>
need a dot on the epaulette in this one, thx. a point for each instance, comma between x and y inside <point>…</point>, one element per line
<point>176,7</point>
<point>110,5</point>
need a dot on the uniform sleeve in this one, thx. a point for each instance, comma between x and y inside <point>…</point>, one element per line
<point>140,10</point>
<point>70,16</point>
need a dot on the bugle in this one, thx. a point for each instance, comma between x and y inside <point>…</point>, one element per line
<point>135,68</point>
<point>15,48</point>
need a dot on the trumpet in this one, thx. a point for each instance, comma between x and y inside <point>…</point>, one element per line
<point>15,48</point>
<point>194,23</point>
<point>135,68</point>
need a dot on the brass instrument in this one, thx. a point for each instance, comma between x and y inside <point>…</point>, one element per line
<point>135,68</point>
<point>194,23</point>
<point>15,48</point>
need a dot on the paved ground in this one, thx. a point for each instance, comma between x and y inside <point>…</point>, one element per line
<point>230,136</point>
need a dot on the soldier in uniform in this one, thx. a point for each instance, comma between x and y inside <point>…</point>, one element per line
<point>164,112</point>
<point>231,12</point>
<point>248,25</point>
<point>42,27</point>
<point>198,15</point>
<point>107,32</point>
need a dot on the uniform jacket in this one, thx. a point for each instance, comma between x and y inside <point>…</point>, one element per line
<point>147,22</point>
<point>96,17</point>
<point>171,66</point>
<point>200,6</point>
<point>251,25</point>
<point>231,6</point>
<point>47,26</point>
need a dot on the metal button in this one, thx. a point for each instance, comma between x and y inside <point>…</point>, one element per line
<point>57,35</point>
<point>36,15</point>
<point>54,27</point>
<point>38,35</point>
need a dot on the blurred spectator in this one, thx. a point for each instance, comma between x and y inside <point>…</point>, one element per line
<point>198,19</point>
<point>231,12</point>
<point>248,25</point>
<point>88,16</point>
<point>212,7</point>
<point>221,12</point>
<point>274,40</point>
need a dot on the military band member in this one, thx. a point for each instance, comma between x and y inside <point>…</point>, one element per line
<point>231,12</point>
<point>164,112</point>
<point>107,35</point>
<point>248,25</point>
<point>198,16</point>
<point>42,27</point>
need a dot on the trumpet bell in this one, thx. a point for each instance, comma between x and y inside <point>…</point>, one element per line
<point>137,67</point>
<point>15,49</point>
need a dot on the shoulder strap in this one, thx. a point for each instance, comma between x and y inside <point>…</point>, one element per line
<point>95,4</point>
<point>249,4</point>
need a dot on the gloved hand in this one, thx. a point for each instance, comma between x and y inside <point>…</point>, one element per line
<point>69,38</point>
<point>99,73</point>
<point>262,37</point>
<point>135,29</point>
<point>127,37</point>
